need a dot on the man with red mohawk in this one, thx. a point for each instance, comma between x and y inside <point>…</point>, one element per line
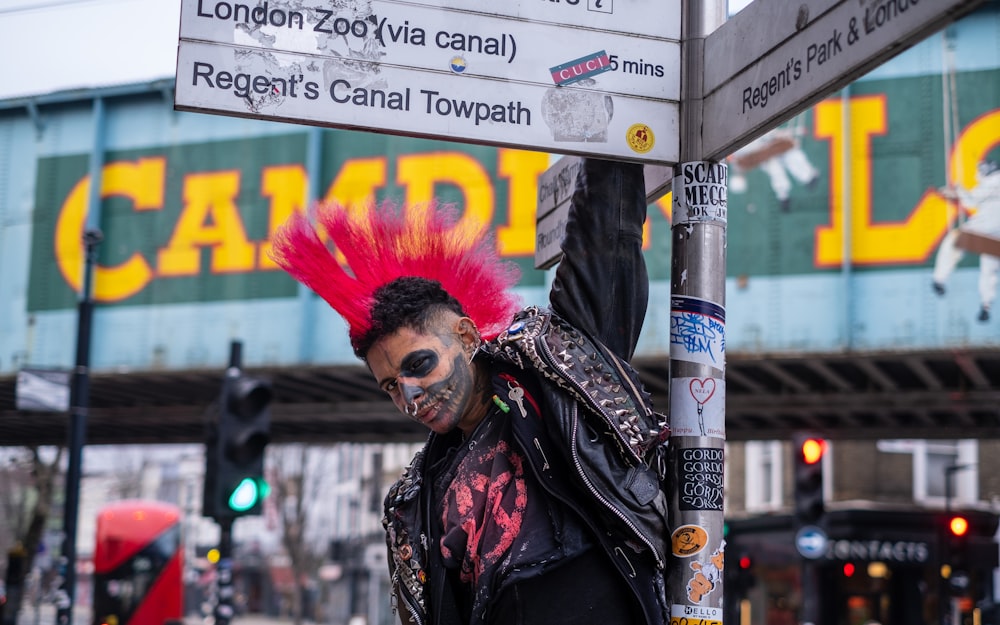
<point>539,497</point>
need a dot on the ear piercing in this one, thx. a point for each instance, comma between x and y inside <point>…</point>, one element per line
<point>478,346</point>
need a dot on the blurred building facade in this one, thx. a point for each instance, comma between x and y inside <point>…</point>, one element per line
<point>885,552</point>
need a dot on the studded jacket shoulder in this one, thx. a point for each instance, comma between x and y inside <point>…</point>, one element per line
<point>592,374</point>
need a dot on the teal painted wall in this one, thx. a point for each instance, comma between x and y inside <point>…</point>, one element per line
<point>189,201</point>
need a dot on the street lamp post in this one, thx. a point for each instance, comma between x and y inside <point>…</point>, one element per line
<point>79,409</point>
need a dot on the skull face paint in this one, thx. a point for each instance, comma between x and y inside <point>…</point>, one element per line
<point>428,377</point>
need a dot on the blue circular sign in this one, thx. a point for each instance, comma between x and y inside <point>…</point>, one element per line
<point>810,541</point>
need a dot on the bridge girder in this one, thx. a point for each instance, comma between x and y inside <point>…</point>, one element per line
<point>942,394</point>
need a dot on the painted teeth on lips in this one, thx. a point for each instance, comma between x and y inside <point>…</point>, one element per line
<point>425,411</point>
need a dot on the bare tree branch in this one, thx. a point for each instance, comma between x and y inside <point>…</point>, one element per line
<point>27,509</point>
<point>297,473</point>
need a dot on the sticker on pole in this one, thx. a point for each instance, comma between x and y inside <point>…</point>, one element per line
<point>700,478</point>
<point>698,407</point>
<point>697,331</point>
<point>706,578</point>
<point>688,540</point>
<point>691,615</point>
<point>700,193</point>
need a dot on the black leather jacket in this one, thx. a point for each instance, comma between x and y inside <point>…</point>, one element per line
<point>597,416</point>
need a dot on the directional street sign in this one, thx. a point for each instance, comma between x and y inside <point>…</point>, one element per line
<point>555,187</point>
<point>810,542</point>
<point>42,390</point>
<point>589,77</point>
<point>417,37</point>
<point>774,58</point>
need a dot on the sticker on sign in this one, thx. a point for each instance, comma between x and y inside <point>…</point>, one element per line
<point>773,59</point>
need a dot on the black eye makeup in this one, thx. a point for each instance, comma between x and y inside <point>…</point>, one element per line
<point>418,364</point>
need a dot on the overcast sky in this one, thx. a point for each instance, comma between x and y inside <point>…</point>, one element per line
<point>53,45</point>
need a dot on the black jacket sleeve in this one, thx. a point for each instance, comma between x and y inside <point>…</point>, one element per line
<point>601,285</point>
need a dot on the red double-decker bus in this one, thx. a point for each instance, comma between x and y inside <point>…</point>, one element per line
<point>138,564</point>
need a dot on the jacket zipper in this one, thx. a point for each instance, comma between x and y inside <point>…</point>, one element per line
<point>547,354</point>
<point>607,504</point>
<point>408,600</point>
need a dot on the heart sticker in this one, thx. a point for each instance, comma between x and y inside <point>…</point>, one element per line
<point>702,390</point>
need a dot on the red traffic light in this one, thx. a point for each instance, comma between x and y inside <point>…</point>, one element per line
<point>745,562</point>
<point>812,450</point>
<point>958,525</point>
<point>849,569</point>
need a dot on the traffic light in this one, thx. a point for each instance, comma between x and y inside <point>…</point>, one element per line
<point>234,458</point>
<point>809,451</point>
<point>741,579</point>
<point>956,542</point>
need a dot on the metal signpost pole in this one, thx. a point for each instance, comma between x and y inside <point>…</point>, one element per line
<point>224,611</point>
<point>80,381</point>
<point>79,408</point>
<point>697,345</point>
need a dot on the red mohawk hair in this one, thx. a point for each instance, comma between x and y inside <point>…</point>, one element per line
<point>380,244</point>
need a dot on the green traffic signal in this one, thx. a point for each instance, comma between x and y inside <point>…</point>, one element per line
<point>235,448</point>
<point>247,494</point>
